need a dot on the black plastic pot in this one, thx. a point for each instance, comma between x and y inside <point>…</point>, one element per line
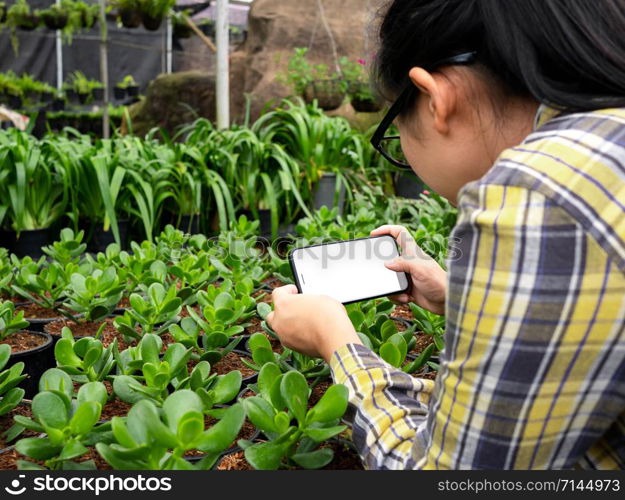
<point>28,22</point>
<point>190,224</point>
<point>28,243</point>
<point>33,96</point>
<point>98,239</point>
<point>14,101</point>
<point>58,104</point>
<point>132,90</point>
<point>72,96</point>
<point>119,93</point>
<point>47,96</point>
<point>130,18</point>
<point>408,185</point>
<point>324,194</point>
<point>151,23</point>
<point>36,361</point>
<point>56,21</point>
<point>98,94</point>
<point>83,97</point>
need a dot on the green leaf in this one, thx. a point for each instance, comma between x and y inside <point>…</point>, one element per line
<point>56,380</point>
<point>86,416</point>
<point>72,449</point>
<point>227,387</point>
<point>314,459</point>
<point>178,404</point>
<point>219,436</point>
<point>64,353</point>
<point>37,448</point>
<point>260,413</point>
<point>49,409</point>
<point>93,391</point>
<point>390,354</point>
<point>266,377</point>
<point>294,391</point>
<point>190,426</point>
<point>331,406</point>
<point>266,456</point>
<point>320,434</point>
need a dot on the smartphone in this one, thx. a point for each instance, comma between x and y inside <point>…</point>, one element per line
<point>348,271</point>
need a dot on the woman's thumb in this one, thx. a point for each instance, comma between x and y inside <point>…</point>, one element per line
<point>399,264</point>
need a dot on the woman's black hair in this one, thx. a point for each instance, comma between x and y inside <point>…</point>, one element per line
<point>566,53</point>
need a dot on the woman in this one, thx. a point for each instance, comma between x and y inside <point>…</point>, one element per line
<point>513,111</point>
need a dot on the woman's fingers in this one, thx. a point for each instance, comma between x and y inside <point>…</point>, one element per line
<point>402,236</point>
<point>282,292</point>
<point>401,298</point>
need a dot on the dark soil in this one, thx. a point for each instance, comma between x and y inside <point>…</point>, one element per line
<point>262,296</point>
<point>403,311</point>
<point>89,329</point>
<point>35,311</point>
<point>273,282</point>
<point>255,326</point>
<point>8,460</point>
<point>318,391</point>
<point>423,340</point>
<point>15,300</point>
<point>124,303</point>
<point>6,421</point>
<point>401,326</point>
<point>23,341</point>
<point>232,362</point>
<point>344,459</point>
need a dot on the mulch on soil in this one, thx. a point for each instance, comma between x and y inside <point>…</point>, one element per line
<point>6,421</point>
<point>89,329</point>
<point>23,341</point>
<point>35,311</point>
<point>230,362</point>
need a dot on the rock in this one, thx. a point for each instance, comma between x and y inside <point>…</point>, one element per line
<point>275,28</point>
<point>174,99</point>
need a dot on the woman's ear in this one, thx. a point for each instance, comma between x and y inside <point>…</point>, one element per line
<point>441,96</point>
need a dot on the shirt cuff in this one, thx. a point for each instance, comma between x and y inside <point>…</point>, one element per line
<point>351,358</point>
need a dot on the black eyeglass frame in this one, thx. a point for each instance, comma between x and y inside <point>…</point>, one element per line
<point>400,103</point>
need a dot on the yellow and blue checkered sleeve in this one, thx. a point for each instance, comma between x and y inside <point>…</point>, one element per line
<point>526,376</point>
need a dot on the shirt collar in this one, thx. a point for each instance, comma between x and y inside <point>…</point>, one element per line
<point>544,114</point>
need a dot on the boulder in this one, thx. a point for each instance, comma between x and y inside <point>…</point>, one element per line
<point>275,28</point>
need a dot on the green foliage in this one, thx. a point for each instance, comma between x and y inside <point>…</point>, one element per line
<point>10,321</point>
<point>70,425</point>
<point>160,307</point>
<point>95,295</point>
<point>86,359</point>
<point>295,433</point>
<point>10,394</point>
<point>151,440</point>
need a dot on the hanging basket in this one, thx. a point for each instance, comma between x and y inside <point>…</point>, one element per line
<point>151,23</point>
<point>329,94</point>
<point>54,21</point>
<point>28,22</point>
<point>130,18</point>
<point>366,105</point>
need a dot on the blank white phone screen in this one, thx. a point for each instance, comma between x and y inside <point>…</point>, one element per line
<point>349,271</point>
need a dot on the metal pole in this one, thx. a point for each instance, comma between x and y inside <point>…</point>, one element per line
<point>169,45</point>
<point>223,71</point>
<point>104,69</point>
<point>59,58</point>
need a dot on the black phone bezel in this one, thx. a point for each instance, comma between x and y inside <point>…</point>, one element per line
<point>296,277</point>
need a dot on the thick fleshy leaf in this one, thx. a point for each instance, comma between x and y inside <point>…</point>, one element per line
<point>260,413</point>
<point>65,355</point>
<point>179,403</point>
<point>219,436</point>
<point>93,391</point>
<point>314,459</point>
<point>227,386</point>
<point>323,433</point>
<point>37,448</point>
<point>268,374</point>
<point>49,409</point>
<point>56,380</point>
<point>331,406</point>
<point>86,416</point>
<point>295,390</point>
<point>266,456</point>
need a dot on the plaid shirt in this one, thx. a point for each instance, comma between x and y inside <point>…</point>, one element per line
<point>533,372</point>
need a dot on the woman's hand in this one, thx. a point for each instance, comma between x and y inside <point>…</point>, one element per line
<point>428,285</point>
<point>314,325</point>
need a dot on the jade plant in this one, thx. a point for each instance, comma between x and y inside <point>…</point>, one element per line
<point>212,389</point>
<point>149,439</point>
<point>161,307</point>
<point>294,432</point>
<point>70,425</point>
<point>86,359</point>
<point>68,249</point>
<point>10,394</point>
<point>44,286</point>
<point>10,321</point>
<point>209,346</point>
<point>150,377</point>
<point>96,295</point>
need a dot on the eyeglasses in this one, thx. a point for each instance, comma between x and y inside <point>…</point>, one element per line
<point>386,145</point>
